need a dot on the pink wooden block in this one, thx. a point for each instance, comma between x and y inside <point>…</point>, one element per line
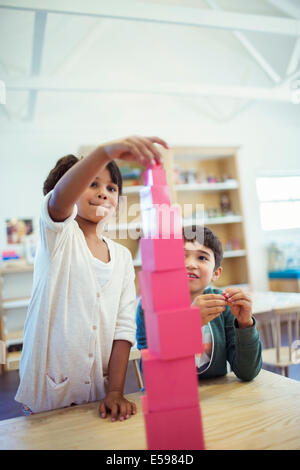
<point>170,384</point>
<point>162,254</point>
<point>164,290</point>
<point>174,333</point>
<point>155,175</point>
<point>162,222</point>
<point>154,196</point>
<point>179,429</point>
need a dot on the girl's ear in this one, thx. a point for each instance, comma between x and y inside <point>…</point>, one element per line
<point>217,273</point>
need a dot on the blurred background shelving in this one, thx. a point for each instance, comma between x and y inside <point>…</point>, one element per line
<point>14,280</point>
<point>198,176</point>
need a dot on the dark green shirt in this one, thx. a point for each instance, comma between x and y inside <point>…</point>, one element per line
<point>240,347</point>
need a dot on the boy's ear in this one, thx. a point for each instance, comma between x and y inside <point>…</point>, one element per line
<point>217,273</point>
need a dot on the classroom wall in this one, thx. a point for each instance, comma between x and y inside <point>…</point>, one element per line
<point>268,134</point>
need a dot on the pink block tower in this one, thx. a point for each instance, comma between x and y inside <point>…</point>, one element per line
<point>173,328</point>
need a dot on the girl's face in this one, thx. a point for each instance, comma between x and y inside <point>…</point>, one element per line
<point>200,266</point>
<point>100,199</point>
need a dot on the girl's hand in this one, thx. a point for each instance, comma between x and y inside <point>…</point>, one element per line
<point>241,306</point>
<point>211,306</point>
<point>134,148</point>
<point>117,404</point>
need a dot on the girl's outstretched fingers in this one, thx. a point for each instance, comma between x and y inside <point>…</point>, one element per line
<point>157,140</point>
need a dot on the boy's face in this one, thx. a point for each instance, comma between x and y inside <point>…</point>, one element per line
<point>200,266</point>
<point>99,201</point>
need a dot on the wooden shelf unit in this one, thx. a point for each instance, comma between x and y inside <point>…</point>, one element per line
<point>222,163</point>
<point>15,289</point>
<point>217,161</point>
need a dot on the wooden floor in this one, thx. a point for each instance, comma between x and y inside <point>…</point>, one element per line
<point>9,408</point>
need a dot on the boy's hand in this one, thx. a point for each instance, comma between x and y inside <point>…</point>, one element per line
<point>240,304</point>
<point>211,306</point>
<point>117,404</point>
<point>135,148</point>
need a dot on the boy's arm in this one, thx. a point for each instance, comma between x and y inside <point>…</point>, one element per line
<point>243,348</point>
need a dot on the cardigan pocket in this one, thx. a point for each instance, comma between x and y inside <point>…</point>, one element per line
<point>55,385</point>
<point>57,393</point>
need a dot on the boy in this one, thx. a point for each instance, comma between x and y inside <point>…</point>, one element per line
<point>228,328</point>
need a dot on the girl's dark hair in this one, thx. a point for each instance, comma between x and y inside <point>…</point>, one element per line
<point>206,237</point>
<point>65,163</point>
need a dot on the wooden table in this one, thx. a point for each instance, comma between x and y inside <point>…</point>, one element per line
<point>268,301</point>
<point>262,414</point>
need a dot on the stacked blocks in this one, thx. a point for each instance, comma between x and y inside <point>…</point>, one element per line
<point>171,404</point>
<point>163,222</point>
<point>162,255</point>
<point>152,195</point>
<point>173,429</point>
<point>166,324</point>
<point>164,290</point>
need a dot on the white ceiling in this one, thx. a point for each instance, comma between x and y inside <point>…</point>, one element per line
<point>76,56</point>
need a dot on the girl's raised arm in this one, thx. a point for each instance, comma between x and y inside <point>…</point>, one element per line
<point>77,179</point>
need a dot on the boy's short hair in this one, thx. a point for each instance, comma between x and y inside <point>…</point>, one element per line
<point>205,237</point>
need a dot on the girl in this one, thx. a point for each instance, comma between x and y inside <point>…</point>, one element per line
<point>80,323</point>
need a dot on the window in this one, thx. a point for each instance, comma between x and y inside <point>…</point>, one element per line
<point>279,198</point>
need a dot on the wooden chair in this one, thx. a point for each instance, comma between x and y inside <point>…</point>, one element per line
<point>271,330</point>
<point>135,355</point>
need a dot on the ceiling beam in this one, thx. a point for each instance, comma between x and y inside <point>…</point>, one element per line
<point>287,80</point>
<point>285,7</point>
<point>294,59</point>
<point>40,22</point>
<point>188,89</point>
<point>252,51</point>
<point>134,10</point>
<point>95,33</point>
<point>257,56</point>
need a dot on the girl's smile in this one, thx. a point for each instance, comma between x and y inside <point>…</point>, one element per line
<point>100,199</point>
